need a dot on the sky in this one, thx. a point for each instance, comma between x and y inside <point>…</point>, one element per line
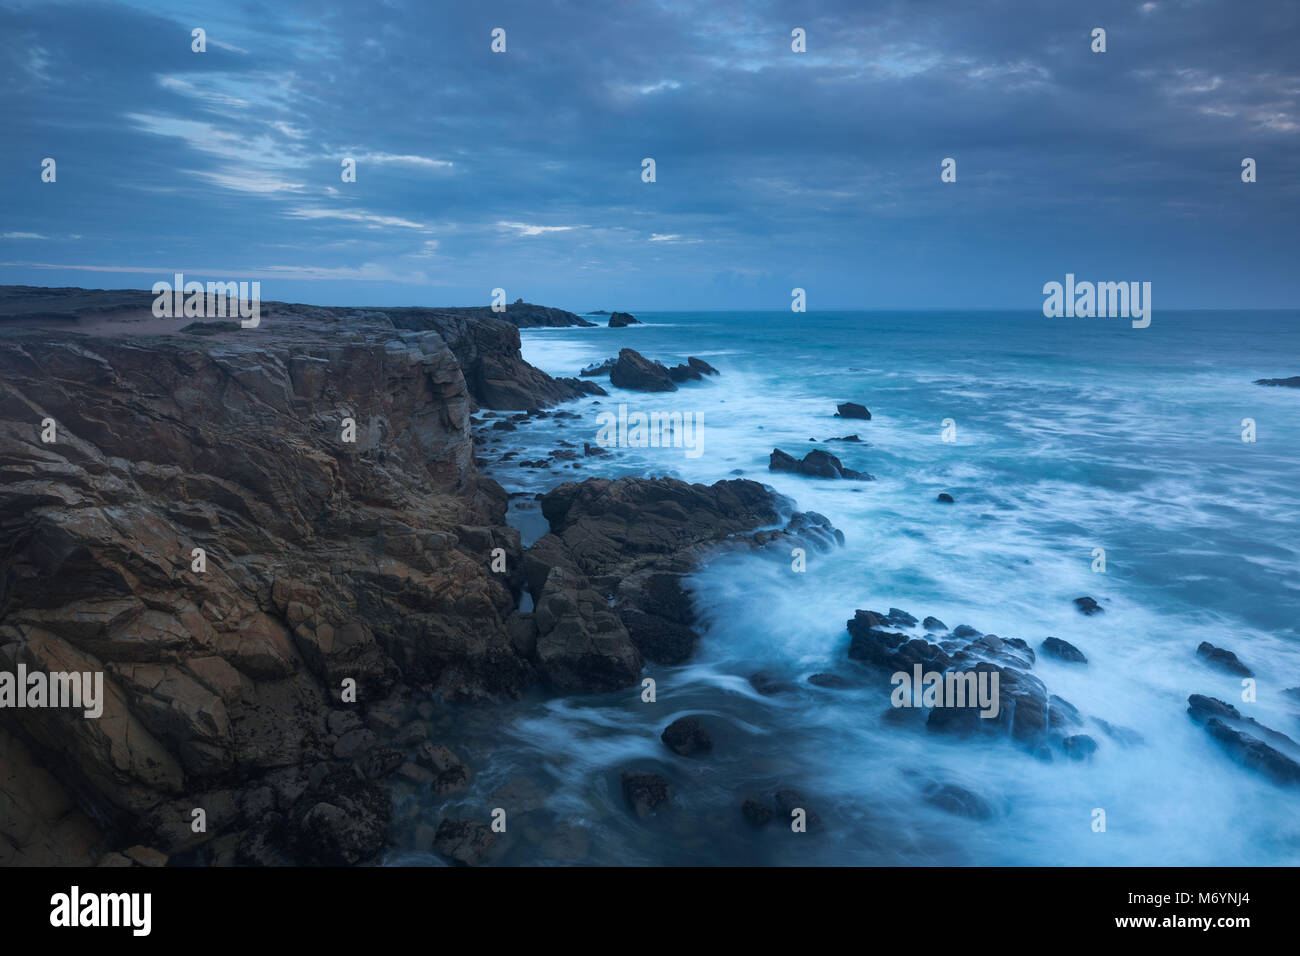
<point>774,169</point>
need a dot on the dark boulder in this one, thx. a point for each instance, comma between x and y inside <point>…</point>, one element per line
<point>1223,659</point>
<point>945,498</point>
<point>1292,382</point>
<point>618,320</point>
<point>934,624</point>
<point>646,793</point>
<point>463,842</point>
<point>852,410</point>
<point>1063,651</point>
<point>1088,606</point>
<point>686,736</point>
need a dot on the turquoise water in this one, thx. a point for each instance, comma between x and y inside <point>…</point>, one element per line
<point>1070,435</point>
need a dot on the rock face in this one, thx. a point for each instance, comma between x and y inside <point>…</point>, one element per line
<point>608,581</point>
<point>635,371</point>
<point>229,526</point>
<point>618,320</point>
<point>815,464</point>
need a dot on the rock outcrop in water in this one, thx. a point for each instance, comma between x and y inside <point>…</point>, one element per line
<point>1025,710</point>
<point>634,371</point>
<point>815,464</point>
<point>1246,740</point>
<point>608,581</point>
<point>619,320</point>
<point>1292,382</point>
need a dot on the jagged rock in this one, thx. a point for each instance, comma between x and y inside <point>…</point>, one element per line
<point>1063,650</point>
<point>1223,659</point>
<point>934,624</point>
<point>326,560</point>
<point>815,464</point>
<point>1254,753</point>
<point>607,580</point>
<point>1249,742</point>
<point>618,320</point>
<point>635,371</point>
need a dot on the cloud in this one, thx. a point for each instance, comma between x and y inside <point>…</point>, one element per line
<point>524,229</point>
<point>368,219</point>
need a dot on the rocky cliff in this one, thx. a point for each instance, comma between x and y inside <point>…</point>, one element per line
<point>274,543</point>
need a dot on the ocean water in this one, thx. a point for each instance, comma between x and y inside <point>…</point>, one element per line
<point>1070,435</point>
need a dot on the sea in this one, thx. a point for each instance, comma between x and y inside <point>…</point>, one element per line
<point>1141,467</point>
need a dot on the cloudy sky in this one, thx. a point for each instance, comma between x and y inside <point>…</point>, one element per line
<point>775,169</point>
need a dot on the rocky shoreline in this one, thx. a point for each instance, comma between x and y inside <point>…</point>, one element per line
<point>357,565</point>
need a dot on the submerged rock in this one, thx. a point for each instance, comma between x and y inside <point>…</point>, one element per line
<point>1088,606</point>
<point>646,793</point>
<point>958,801</point>
<point>686,736</point>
